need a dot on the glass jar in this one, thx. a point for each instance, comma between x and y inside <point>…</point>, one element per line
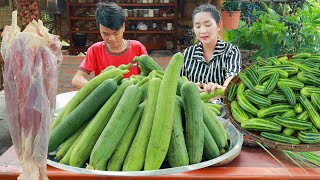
<point>135,13</point>
<point>156,12</point>
<point>130,13</point>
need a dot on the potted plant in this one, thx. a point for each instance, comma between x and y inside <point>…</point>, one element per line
<point>275,34</point>
<point>230,14</point>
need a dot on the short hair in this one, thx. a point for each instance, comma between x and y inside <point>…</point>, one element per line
<point>110,15</point>
<point>207,8</point>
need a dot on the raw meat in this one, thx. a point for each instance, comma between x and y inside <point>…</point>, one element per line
<point>32,58</point>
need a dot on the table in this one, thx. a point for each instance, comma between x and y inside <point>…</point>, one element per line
<point>252,163</point>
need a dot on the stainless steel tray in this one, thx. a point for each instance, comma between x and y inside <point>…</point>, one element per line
<point>62,100</point>
<point>236,140</point>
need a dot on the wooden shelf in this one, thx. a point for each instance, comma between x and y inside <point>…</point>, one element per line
<point>150,18</point>
<point>150,32</point>
<point>85,31</point>
<point>128,4</point>
<point>127,18</point>
<point>82,18</point>
<point>158,37</point>
<point>77,49</point>
<point>145,4</point>
<point>127,32</point>
<point>184,19</point>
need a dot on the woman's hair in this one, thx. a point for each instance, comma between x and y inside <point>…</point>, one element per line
<point>110,15</point>
<point>207,8</point>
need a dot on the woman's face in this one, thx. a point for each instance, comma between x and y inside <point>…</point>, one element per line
<point>205,27</point>
<point>112,37</point>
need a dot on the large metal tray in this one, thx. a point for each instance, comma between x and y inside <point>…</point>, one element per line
<point>236,140</point>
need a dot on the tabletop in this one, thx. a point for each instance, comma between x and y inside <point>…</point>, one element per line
<point>252,163</point>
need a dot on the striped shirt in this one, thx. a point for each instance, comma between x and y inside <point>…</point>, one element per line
<point>225,62</point>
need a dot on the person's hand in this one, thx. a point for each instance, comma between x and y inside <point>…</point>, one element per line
<point>210,87</point>
<point>221,87</point>
<point>200,86</point>
<point>218,97</point>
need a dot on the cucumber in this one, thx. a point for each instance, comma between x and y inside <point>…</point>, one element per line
<point>295,84</point>
<point>313,113</point>
<point>116,127</point>
<point>246,105</point>
<point>260,89</point>
<point>238,113</point>
<point>177,153</point>
<point>252,75</point>
<point>272,82</point>
<point>65,146</point>
<point>288,92</point>
<point>90,136</point>
<point>280,138</point>
<point>308,90</point>
<point>232,92</point>
<point>246,81</point>
<point>215,127</point>
<point>147,64</point>
<point>257,98</point>
<point>278,98</point>
<point>274,109</point>
<point>210,149</point>
<point>85,91</point>
<point>83,113</point>
<point>194,121</point>
<point>162,126</point>
<point>115,162</point>
<point>309,137</point>
<point>293,123</point>
<point>258,124</point>
<point>315,100</point>
<point>135,158</point>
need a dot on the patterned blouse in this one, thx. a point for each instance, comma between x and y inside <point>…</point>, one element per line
<point>225,62</point>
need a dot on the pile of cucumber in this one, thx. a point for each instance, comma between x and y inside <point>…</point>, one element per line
<point>279,98</point>
<point>145,122</point>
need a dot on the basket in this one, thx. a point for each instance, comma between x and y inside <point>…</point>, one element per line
<point>256,137</point>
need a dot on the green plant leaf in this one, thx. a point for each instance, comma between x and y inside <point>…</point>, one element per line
<point>274,34</point>
<point>293,156</point>
<point>312,157</point>
<point>274,157</point>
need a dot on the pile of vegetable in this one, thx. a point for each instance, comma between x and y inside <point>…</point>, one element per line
<point>138,123</point>
<point>279,98</point>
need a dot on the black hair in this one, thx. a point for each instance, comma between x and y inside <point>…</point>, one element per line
<point>110,15</point>
<point>207,8</point>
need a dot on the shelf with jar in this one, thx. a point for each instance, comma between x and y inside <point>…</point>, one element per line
<point>126,4</point>
<point>130,32</point>
<point>144,18</point>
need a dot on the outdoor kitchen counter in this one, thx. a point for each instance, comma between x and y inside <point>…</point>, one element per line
<point>252,163</point>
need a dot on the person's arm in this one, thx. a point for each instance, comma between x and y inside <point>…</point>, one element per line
<point>227,81</point>
<point>79,79</point>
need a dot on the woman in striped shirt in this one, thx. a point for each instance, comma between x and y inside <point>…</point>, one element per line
<point>211,63</point>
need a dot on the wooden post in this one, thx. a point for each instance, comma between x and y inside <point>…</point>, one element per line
<point>57,22</point>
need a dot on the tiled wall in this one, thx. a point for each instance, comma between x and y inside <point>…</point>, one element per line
<point>69,67</point>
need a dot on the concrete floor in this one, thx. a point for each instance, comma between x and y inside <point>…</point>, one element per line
<point>5,138</point>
